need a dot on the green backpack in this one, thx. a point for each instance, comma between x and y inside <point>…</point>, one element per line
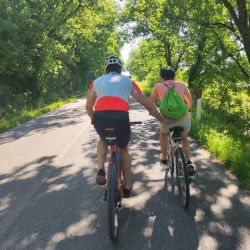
<point>172,105</point>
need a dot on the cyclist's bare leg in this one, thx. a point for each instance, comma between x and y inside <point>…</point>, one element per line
<point>126,166</point>
<point>102,150</point>
<point>164,145</point>
<point>186,146</point>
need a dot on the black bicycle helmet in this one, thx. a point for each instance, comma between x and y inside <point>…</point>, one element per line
<point>112,60</point>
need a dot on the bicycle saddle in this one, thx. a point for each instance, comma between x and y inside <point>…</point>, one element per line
<point>176,131</point>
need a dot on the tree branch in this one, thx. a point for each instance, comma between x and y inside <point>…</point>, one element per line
<point>231,10</point>
<point>236,60</point>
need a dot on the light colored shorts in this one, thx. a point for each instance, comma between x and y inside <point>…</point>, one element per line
<point>186,124</point>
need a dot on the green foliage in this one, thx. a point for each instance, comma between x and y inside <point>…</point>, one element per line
<point>13,120</point>
<point>225,143</point>
<point>207,44</point>
<point>145,87</point>
<point>232,103</point>
<point>51,49</point>
<point>198,37</point>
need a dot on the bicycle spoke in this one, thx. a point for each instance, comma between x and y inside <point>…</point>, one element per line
<point>112,204</point>
<point>182,177</point>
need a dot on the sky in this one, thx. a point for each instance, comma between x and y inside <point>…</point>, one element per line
<point>126,49</point>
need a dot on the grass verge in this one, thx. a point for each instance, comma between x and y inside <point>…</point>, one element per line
<point>222,142</point>
<point>21,117</point>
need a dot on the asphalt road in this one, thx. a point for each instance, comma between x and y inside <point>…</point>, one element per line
<point>49,199</point>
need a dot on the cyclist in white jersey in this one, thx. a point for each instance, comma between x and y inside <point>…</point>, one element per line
<point>110,94</point>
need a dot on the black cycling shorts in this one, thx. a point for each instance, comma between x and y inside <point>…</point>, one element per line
<point>118,120</point>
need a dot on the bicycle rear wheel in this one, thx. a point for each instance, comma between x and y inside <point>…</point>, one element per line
<point>170,159</point>
<point>182,178</point>
<point>112,202</point>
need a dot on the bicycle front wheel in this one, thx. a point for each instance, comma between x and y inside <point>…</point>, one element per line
<point>112,208</point>
<point>182,178</point>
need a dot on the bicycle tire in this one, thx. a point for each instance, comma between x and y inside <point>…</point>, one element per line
<point>170,159</point>
<point>111,201</point>
<point>182,178</point>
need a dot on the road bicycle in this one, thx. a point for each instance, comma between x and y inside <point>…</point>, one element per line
<point>114,186</point>
<point>178,165</point>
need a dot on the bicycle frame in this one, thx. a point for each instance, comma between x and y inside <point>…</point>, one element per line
<point>116,157</point>
<point>113,190</point>
<point>172,147</point>
<point>178,167</point>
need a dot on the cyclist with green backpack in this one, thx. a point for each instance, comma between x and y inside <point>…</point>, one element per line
<point>176,104</point>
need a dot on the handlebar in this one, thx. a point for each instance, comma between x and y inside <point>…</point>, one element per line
<point>134,123</point>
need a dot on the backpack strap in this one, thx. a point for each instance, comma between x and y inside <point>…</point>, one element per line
<point>165,84</point>
<point>168,86</point>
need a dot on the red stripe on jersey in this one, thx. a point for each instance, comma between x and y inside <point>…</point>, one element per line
<point>91,87</point>
<point>137,88</point>
<point>111,103</point>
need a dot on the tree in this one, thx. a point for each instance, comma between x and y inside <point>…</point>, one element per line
<point>48,46</point>
<point>241,19</point>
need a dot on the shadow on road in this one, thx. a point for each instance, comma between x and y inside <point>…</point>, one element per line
<point>65,210</point>
<point>61,117</point>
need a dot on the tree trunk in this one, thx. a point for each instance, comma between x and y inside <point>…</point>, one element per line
<point>195,68</point>
<point>168,56</point>
<point>242,21</point>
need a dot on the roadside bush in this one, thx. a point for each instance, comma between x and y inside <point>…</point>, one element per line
<point>226,145</point>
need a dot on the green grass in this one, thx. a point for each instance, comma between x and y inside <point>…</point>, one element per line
<point>231,149</point>
<point>14,120</point>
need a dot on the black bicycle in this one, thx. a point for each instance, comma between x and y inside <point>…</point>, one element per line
<point>178,164</point>
<point>114,187</point>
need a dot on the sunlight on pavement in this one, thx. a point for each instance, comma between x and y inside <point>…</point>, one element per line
<point>199,216</point>
<point>245,239</point>
<point>66,171</point>
<point>171,230</point>
<point>81,228</point>
<point>139,201</point>
<point>246,201</point>
<point>207,242</point>
<point>138,186</point>
<point>221,227</point>
<point>230,191</point>
<point>5,203</point>
<point>28,240</point>
<point>148,231</point>
<point>26,173</point>
<point>221,204</point>
<point>57,187</point>
<point>195,192</point>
